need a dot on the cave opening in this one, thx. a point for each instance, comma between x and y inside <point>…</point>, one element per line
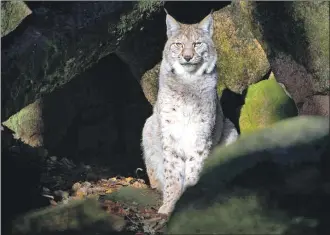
<point>105,132</point>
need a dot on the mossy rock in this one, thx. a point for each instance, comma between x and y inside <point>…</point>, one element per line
<point>80,215</point>
<point>241,59</point>
<point>295,36</point>
<point>149,83</point>
<point>28,124</point>
<point>53,49</point>
<point>243,187</point>
<point>12,14</point>
<point>266,102</point>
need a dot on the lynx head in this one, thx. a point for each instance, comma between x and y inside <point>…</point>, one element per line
<point>189,48</point>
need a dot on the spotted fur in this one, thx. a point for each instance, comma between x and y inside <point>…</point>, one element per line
<point>187,119</point>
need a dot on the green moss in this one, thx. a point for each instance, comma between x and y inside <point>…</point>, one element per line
<point>26,119</point>
<point>241,60</point>
<point>265,103</point>
<point>12,13</point>
<point>315,20</point>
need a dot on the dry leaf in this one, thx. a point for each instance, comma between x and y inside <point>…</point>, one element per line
<point>109,191</point>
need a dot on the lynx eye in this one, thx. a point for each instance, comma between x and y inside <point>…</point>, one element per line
<point>178,44</point>
<point>197,44</point>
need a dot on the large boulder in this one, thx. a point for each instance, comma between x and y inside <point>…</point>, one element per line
<point>12,14</point>
<point>266,103</point>
<point>241,59</point>
<point>269,182</point>
<point>295,36</point>
<point>81,216</point>
<point>57,44</point>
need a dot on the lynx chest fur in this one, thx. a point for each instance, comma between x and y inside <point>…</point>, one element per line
<point>186,108</point>
<point>187,119</point>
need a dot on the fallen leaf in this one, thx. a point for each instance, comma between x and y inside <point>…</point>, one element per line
<point>129,179</point>
<point>109,191</point>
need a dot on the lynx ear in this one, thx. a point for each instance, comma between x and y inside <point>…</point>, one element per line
<point>171,24</point>
<point>207,24</point>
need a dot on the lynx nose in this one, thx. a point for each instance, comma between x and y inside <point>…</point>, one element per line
<point>187,57</point>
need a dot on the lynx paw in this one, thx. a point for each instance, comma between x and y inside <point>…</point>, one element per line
<point>165,209</point>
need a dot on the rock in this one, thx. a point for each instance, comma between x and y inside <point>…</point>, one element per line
<point>28,124</point>
<point>149,83</point>
<point>242,189</point>
<point>79,216</point>
<point>12,14</point>
<point>241,59</point>
<point>76,186</point>
<point>315,105</point>
<point>295,36</point>
<point>56,45</point>
<point>21,164</point>
<point>266,102</point>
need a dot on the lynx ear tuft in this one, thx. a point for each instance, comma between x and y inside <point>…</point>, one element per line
<point>171,24</point>
<point>207,24</point>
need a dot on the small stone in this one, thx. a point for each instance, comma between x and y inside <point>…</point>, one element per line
<point>76,186</point>
<point>86,184</point>
<point>53,158</point>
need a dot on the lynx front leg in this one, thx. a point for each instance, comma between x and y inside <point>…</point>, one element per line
<point>194,166</point>
<point>152,154</point>
<point>154,183</point>
<point>173,181</point>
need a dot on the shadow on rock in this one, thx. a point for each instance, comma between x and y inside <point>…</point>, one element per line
<point>270,181</point>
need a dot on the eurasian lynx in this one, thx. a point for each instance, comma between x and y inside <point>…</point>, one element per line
<point>187,118</point>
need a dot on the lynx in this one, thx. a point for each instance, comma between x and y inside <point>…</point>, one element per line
<point>187,120</point>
